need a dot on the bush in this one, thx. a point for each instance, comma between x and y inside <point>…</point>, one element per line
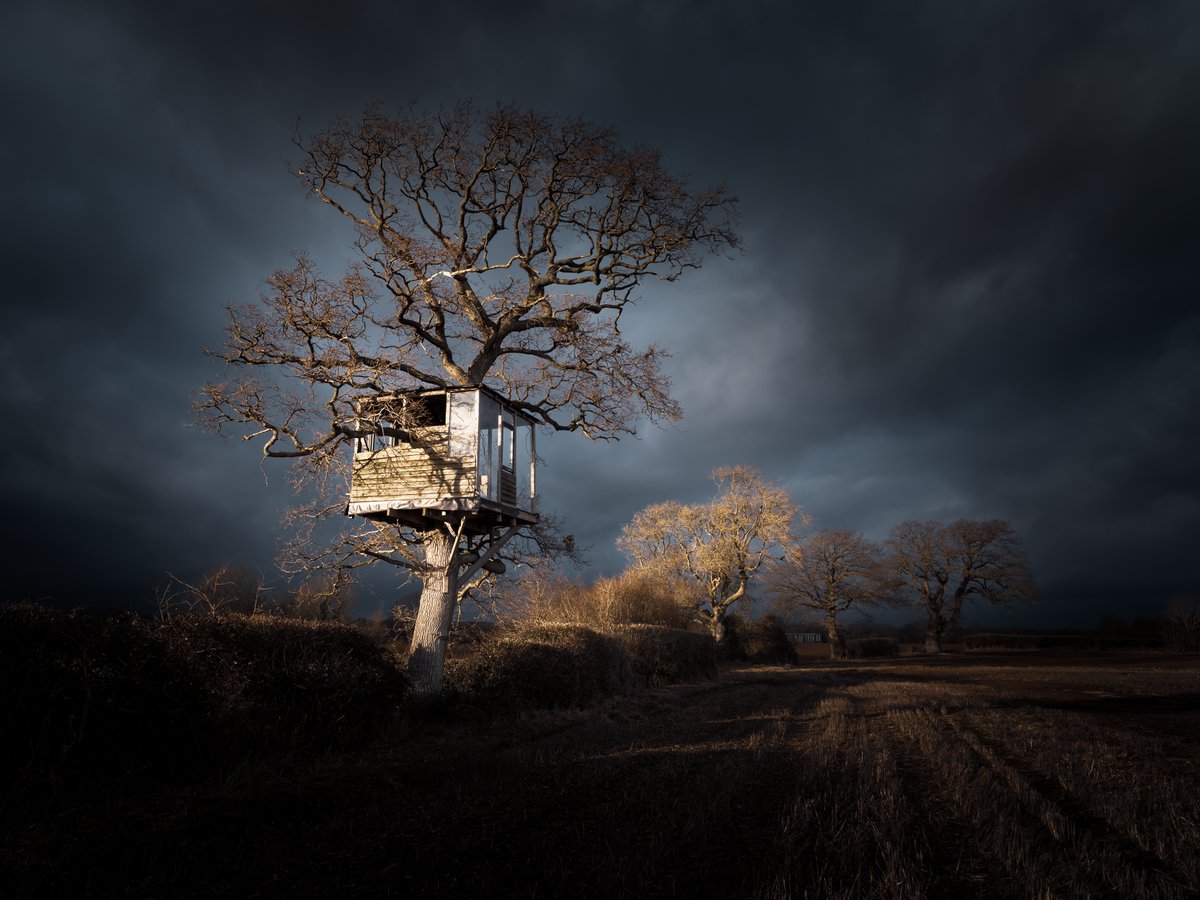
<point>635,598</point>
<point>540,666</point>
<point>762,640</point>
<point>632,598</point>
<point>549,666</point>
<point>664,655</point>
<point>872,648</point>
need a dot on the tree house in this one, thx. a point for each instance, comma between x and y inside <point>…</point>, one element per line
<point>444,455</point>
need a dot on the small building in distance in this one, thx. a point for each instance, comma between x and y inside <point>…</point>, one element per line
<point>804,634</point>
<point>460,453</point>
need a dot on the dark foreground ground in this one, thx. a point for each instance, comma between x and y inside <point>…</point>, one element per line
<point>1016,775</point>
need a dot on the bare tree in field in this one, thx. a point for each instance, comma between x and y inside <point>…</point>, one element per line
<point>944,565</point>
<point>1181,624</point>
<point>497,249</point>
<point>719,545</point>
<point>832,572</point>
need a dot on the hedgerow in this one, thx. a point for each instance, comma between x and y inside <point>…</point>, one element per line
<point>872,648</point>
<point>541,666</point>
<point>662,655</point>
<point>91,700</point>
<point>563,665</point>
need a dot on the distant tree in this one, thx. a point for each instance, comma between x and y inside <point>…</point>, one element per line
<point>945,565</point>
<point>1181,624</point>
<point>497,248</point>
<point>832,572</point>
<point>719,545</point>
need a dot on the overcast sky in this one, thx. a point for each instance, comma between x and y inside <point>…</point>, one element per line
<point>969,284</point>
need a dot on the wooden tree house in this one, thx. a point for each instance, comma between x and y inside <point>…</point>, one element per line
<point>462,455</point>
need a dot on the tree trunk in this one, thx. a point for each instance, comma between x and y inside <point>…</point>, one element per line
<point>837,646</point>
<point>716,626</point>
<point>933,635</point>
<point>431,632</point>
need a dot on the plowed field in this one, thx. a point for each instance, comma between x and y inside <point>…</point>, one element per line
<point>974,776</point>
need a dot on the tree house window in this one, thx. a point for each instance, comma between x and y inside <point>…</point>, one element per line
<point>507,446</point>
<point>508,475</point>
<point>489,439</point>
<point>464,423</point>
<point>426,410</point>
<point>413,420</point>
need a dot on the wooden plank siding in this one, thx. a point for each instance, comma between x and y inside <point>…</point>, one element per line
<point>508,487</point>
<point>411,474</point>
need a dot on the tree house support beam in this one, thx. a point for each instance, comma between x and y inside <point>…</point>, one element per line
<point>496,546</point>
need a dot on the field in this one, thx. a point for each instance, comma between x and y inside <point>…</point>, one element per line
<point>971,775</point>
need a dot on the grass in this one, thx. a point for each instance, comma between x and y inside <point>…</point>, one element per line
<point>975,775</point>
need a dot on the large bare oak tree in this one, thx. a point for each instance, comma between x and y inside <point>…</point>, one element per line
<point>498,248</point>
<point>720,545</point>
<point>944,565</point>
<point>832,572</point>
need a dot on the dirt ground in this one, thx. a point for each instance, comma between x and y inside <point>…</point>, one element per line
<point>1001,775</point>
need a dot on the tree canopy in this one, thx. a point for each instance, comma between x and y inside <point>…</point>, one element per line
<point>495,248</point>
<point>831,572</point>
<point>719,545</point>
<point>945,565</point>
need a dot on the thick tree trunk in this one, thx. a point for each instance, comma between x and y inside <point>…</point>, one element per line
<point>716,626</point>
<point>431,633</point>
<point>837,645</point>
<point>933,635</point>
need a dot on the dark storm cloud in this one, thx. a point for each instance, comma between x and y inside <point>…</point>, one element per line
<point>120,245</point>
<point>966,288</point>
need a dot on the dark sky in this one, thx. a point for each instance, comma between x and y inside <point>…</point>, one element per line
<point>969,285</point>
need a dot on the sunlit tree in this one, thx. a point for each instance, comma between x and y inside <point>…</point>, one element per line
<point>720,546</point>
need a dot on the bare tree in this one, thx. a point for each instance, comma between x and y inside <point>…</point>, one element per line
<point>1181,624</point>
<point>944,565</point>
<point>497,248</point>
<point>831,572</point>
<point>719,545</point>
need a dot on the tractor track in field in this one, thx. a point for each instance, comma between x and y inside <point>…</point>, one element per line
<point>1053,807</point>
<point>952,856</point>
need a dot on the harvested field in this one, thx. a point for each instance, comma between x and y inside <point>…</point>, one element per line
<point>1007,775</point>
